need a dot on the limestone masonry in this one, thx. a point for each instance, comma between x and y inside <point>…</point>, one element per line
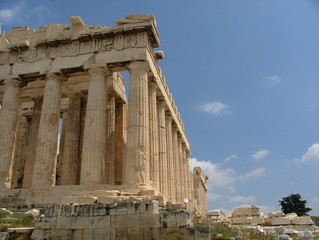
<point>68,132</point>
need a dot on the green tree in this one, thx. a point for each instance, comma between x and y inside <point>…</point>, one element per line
<point>293,203</point>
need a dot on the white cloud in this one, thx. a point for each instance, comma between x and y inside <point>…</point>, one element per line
<point>229,158</point>
<point>21,14</point>
<point>315,200</point>
<point>11,14</point>
<point>243,199</point>
<point>215,108</point>
<point>272,80</point>
<point>260,154</point>
<point>257,173</point>
<point>312,154</point>
<point>218,177</point>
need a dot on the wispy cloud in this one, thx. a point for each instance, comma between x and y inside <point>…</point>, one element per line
<point>215,108</point>
<point>260,154</point>
<point>312,154</point>
<point>230,158</point>
<point>257,173</point>
<point>272,80</point>
<point>10,14</point>
<point>243,199</point>
<point>218,177</point>
<point>20,13</point>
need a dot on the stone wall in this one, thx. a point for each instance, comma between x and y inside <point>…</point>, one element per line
<point>130,220</point>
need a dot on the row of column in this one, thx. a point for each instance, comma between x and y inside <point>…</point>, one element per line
<point>41,159</point>
<point>155,152</point>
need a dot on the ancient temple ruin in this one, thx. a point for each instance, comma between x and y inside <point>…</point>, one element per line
<point>72,130</point>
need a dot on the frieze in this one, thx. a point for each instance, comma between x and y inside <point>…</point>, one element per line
<point>76,47</point>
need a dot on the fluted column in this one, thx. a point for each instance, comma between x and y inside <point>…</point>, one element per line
<point>137,154</point>
<point>186,167</point>
<point>182,168</point>
<point>20,151</point>
<point>8,123</point>
<point>154,163</point>
<point>170,158</point>
<point>94,139</point>
<point>120,142</point>
<point>191,190</point>
<point>84,100</point>
<point>110,141</point>
<point>32,143</point>
<point>47,143</point>
<point>176,164</point>
<point>162,148</point>
<point>70,162</point>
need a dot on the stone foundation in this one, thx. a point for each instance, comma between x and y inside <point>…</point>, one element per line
<point>140,220</point>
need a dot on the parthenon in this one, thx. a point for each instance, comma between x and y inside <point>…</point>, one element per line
<point>70,132</point>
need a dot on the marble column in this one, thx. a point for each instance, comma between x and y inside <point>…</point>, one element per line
<point>186,170</point>
<point>32,143</point>
<point>20,151</point>
<point>94,139</point>
<point>154,163</point>
<point>120,142</point>
<point>110,141</point>
<point>170,159</point>
<point>137,149</point>
<point>191,190</point>
<point>176,165</point>
<point>84,100</point>
<point>47,143</point>
<point>162,148</point>
<point>182,168</point>
<point>8,124</point>
<point>70,162</point>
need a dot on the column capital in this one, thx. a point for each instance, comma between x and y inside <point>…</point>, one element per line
<point>168,118</point>
<point>13,81</point>
<point>52,75</point>
<point>142,66</point>
<point>153,85</point>
<point>99,70</point>
<point>161,103</point>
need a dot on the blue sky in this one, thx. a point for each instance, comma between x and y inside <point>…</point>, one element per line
<point>245,77</point>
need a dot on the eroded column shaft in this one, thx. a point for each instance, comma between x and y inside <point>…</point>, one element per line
<point>121,134</point>
<point>163,178</point>
<point>32,143</point>
<point>110,141</point>
<point>71,143</point>
<point>154,163</point>
<point>170,159</point>
<point>137,150</point>
<point>94,139</point>
<point>176,165</point>
<point>47,142</point>
<point>8,124</point>
<point>20,151</point>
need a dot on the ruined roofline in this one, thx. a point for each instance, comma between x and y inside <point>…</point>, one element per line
<point>24,37</point>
